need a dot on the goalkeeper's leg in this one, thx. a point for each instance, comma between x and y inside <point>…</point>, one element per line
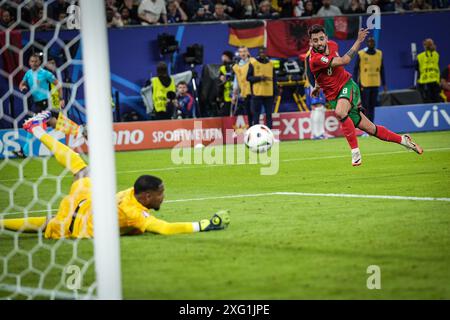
<point>24,224</point>
<point>63,154</point>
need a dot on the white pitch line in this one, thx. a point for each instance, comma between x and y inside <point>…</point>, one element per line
<point>300,194</point>
<point>200,166</point>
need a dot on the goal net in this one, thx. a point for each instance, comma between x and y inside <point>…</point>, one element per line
<point>32,182</point>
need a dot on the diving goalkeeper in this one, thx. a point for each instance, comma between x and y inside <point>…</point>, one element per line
<point>74,218</point>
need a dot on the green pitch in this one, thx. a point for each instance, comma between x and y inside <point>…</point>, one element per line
<point>278,246</point>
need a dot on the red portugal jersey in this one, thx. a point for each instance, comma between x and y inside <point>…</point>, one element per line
<point>330,79</point>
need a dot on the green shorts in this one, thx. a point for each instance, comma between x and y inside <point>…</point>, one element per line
<point>350,91</point>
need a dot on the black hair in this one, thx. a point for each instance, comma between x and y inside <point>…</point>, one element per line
<point>182,82</point>
<point>316,28</point>
<point>161,69</point>
<point>147,183</point>
<point>229,54</point>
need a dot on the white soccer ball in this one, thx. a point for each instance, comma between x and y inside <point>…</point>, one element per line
<point>259,138</point>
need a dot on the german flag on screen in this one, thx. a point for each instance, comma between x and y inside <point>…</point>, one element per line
<point>249,34</point>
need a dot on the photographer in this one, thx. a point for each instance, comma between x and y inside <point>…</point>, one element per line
<point>226,83</point>
<point>162,84</point>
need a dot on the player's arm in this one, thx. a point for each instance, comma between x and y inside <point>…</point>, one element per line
<point>219,221</point>
<point>23,84</point>
<point>345,60</point>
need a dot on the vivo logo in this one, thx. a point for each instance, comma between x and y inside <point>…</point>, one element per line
<point>435,115</point>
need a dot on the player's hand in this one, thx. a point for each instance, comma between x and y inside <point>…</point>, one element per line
<point>362,34</point>
<point>315,92</point>
<point>62,104</point>
<point>23,88</point>
<point>220,220</point>
<point>233,99</point>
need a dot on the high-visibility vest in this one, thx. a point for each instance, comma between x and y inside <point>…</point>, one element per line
<point>54,96</point>
<point>428,67</point>
<point>262,88</point>
<point>227,85</point>
<point>160,93</point>
<point>370,68</point>
<point>241,76</point>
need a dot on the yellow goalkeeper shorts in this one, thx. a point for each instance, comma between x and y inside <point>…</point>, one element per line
<point>74,217</point>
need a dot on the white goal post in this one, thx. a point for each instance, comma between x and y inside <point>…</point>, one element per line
<point>101,152</point>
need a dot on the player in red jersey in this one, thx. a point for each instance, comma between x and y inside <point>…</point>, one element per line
<point>343,93</point>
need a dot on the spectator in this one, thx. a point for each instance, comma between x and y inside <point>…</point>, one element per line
<point>265,11</point>
<point>55,9</point>
<point>286,8</point>
<point>202,15</point>
<point>428,67</point>
<point>113,18</point>
<point>418,5</point>
<point>246,9</point>
<point>175,14</point>
<point>6,20</point>
<point>328,10</point>
<point>61,17</point>
<point>445,82</point>
<point>304,9</point>
<point>151,11</point>
<point>355,7</point>
<point>25,16</point>
<point>194,5</point>
<point>184,104</point>
<point>132,9</point>
<point>219,13</point>
<point>400,6</point>
<point>126,16</point>
<point>112,5</point>
<point>343,5</point>
<point>39,20</point>
<point>228,6</point>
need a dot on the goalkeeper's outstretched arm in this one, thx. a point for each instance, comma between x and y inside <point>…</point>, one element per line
<point>219,221</point>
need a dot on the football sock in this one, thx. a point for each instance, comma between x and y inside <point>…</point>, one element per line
<point>63,154</point>
<point>24,224</point>
<point>385,134</point>
<point>348,128</point>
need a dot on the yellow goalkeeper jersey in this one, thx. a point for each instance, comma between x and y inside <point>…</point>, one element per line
<point>132,215</point>
<point>74,218</point>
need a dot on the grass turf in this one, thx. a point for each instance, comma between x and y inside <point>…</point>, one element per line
<point>277,246</point>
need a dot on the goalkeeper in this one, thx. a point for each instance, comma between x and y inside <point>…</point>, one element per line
<point>74,216</point>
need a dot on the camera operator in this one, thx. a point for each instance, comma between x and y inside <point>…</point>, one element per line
<point>226,83</point>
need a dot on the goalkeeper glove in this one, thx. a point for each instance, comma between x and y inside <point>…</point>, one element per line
<point>219,221</point>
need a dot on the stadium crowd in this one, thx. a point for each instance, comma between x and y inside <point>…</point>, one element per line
<point>122,13</point>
